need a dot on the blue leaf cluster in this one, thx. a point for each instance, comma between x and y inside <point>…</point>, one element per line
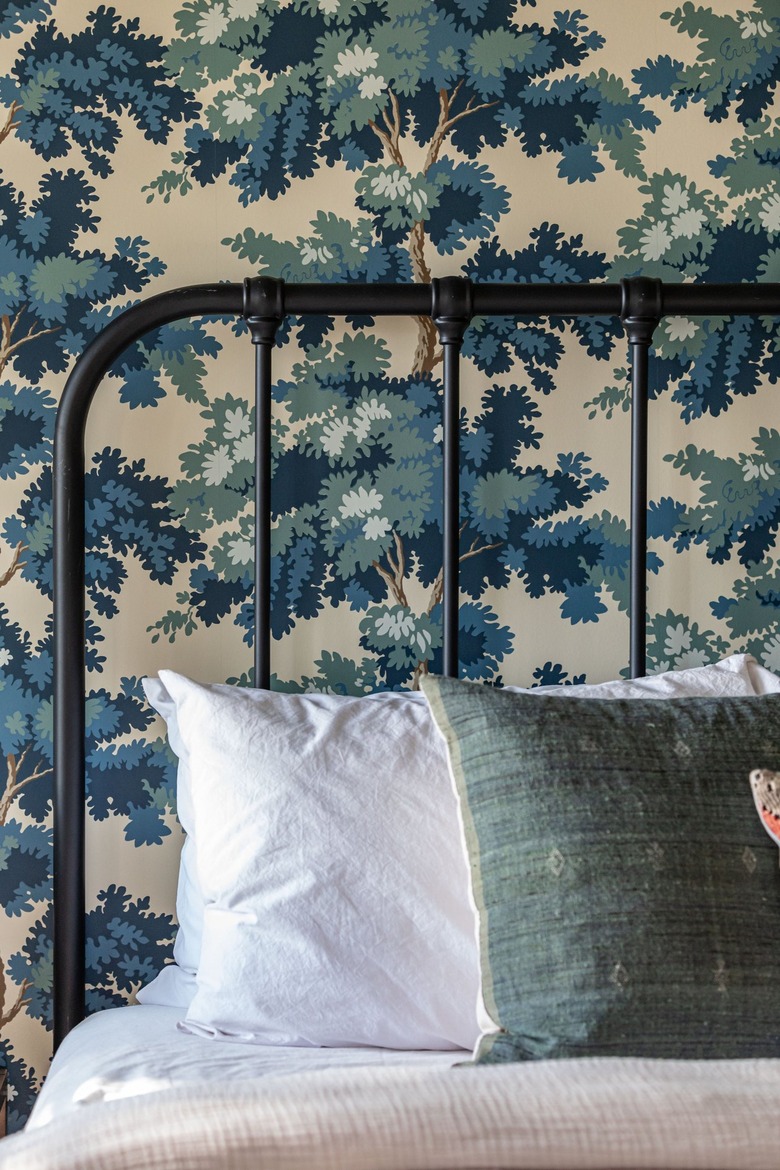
<point>14,15</point>
<point>737,354</point>
<point>483,642</point>
<point>510,108</point>
<point>212,597</point>
<point>125,779</point>
<point>127,514</point>
<point>127,944</point>
<point>658,78</point>
<point>734,360</point>
<point>292,38</point>
<point>84,83</point>
<point>206,157</point>
<point>495,343</point>
<point>469,207</point>
<point>25,706</point>
<point>552,674</point>
<point>750,89</point>
<point>21,1083</point>
<point>165,348</point>
<point>52,288</point>
<point>34,963</point>
<point>25,867</point>
<point>26,429</point>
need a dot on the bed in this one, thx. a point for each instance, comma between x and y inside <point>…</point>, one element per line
<point>548,940</point>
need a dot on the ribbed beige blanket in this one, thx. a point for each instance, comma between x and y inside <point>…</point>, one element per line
<point>561,1115</point>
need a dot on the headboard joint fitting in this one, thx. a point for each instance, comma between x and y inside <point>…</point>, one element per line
<point>263,308</point>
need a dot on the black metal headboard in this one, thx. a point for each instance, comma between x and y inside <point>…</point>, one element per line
<point>451,302</point>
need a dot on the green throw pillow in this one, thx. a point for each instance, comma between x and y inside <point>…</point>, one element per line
<point>628,896</point>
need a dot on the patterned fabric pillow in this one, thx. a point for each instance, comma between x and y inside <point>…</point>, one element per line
<point>628,897</point>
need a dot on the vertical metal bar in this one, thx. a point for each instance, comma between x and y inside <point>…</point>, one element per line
<point>69,725</point>
<point>262,676</point>
<point>641,311</point>
<point>638,506</point>
<point>263,312</point>
<point>451,509</point>
<point>451,310</point>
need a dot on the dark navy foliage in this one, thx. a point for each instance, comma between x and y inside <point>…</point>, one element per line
<point>25,858</point>
<point>53,288</point>
<point>14,16</point>
<point>495,343</point>
<point>74,89</point>
<point>127,944</point>
<point>26,428</point>
<point>127,513</point>
<point>22,1085</point>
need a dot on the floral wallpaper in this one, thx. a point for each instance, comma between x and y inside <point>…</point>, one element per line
<point>144,147</point>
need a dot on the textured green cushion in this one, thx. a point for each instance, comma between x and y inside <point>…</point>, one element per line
<point>628,896</point>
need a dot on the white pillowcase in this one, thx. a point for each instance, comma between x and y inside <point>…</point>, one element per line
<point>175,985</point>
<point>336,893</point>
<point>323,892</point>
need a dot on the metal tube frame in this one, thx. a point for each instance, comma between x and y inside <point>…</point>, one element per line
<point>451,302</point>
<point>451,310</point>
<point>641,310</point>
<point>263,313</point>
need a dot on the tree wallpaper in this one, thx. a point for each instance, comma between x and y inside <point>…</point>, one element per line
<point>144,147</point>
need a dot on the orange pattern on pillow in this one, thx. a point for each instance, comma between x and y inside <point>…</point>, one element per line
<point>765,786</point>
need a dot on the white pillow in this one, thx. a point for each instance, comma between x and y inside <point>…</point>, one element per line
<point>175,984</point>
<point>336,893</point>
<point>358,930</point>
<point>763,680</point>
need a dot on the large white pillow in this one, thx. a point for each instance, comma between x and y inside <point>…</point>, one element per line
<point>322,833</point>
<point>335,888</point>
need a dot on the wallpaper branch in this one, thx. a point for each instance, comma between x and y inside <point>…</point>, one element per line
<point>146,147</point>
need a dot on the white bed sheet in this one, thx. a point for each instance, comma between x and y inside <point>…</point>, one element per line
<point>403,1112</point>
<point>131,1051</point>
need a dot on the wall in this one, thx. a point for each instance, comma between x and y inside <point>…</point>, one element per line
<point>145,148</point>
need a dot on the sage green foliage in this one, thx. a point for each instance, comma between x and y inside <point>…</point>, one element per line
<point>731,48</point>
